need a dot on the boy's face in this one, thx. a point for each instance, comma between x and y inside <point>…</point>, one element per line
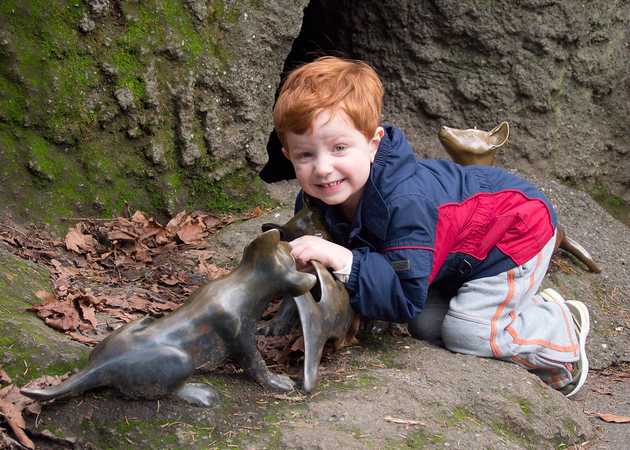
<point>332,162</point>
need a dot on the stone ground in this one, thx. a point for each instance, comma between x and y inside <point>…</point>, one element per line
<point>386,392</point>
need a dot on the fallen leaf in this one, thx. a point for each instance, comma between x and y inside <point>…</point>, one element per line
<point>611,418</point>
<point>191,232</point>
<point>120,235</point>
<point>46,297</point>
<point>83,339</point>
<point>175,222</point>
<point>88,313</point>
<point>78,242</point>
<point>12,403</point>
<point>4,377</point>
<point>257,211</point>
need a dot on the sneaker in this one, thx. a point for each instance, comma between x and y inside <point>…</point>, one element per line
<point>553,296</point>
<point>580,367</point>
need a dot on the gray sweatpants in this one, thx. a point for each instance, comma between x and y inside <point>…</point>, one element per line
<point>504,317</point>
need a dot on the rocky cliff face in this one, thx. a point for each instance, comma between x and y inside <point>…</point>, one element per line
<point>556,70</point>
<point>161,104</point>
<point>166,104</point>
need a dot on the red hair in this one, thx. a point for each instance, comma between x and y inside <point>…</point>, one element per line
<point>329,83</point>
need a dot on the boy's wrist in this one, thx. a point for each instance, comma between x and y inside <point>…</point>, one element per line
<point>343,273</point>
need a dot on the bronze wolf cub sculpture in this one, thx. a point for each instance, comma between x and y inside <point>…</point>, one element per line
<point>150,358</point>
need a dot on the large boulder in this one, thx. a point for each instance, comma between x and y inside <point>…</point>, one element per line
<point>162,105</point>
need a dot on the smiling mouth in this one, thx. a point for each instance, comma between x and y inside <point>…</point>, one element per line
<point>331,184</point>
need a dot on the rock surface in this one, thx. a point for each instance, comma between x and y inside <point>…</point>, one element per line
<point>167,104</point>
<point>554,69</point>
<point>387,392</point>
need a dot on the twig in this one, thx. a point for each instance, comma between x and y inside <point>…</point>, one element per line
<point>85,219</point>
<point>403,421</point>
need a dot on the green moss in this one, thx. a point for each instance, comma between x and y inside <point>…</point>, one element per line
<point>22,367</point>
<point>129,431</point>
<point>507,432</point>
<point>460,414</point>
<point>615,205</point>
<point>50,61</point>
<point>238,191</point>
<point>129,69</point>
<point>525,406</point>
<point>570,426</point>
<point>12,103</point>
<point>416,439</point>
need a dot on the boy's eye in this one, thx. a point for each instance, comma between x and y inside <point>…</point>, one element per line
<point>302,156</point>
<point>340,147</point>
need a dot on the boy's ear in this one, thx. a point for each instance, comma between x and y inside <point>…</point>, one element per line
<point>376,140</point>
<point>285,152</point>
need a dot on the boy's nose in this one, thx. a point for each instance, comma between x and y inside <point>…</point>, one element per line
<point>323,165</point>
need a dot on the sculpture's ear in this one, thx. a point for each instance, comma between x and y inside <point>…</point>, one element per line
<point>300,282</point>
<point>499,134</point>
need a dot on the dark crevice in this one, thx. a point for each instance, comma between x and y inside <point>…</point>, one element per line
<point>326,30</point>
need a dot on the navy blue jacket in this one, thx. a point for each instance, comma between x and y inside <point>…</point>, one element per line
<point>425,221</point>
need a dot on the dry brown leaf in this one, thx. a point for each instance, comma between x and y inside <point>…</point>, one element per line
<point>88,313</point>
<point>138,303</point>
<point>212,271</point>
<point>139,217</point>
<point>141,254</point>
<point>83,338</point>
<point>46,297</point>
<point>4,377</point>
<point>176,222</point>
<point>298,345</point>
<point>12,403</point>
<point>121,235</point>
<point>191,233</point>
<point>611,418</point>
<point>60,315</point>
<point>78,242</point>
<point>211,222</point>
<point>257,211</point>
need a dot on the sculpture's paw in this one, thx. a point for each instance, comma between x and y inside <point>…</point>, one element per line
<point>280,383</point>
<point>198,394</point>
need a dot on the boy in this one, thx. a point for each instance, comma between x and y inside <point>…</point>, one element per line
<point>400,225</point>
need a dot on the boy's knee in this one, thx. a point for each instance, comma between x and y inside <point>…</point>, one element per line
<point>427,325</point>
<point>466,336</point>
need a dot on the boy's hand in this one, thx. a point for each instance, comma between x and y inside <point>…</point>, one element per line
<point>331,255</point>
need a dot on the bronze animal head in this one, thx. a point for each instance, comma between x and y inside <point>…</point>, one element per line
<point>271,258</point>
<point>308,220</point>
<point>473,146</point>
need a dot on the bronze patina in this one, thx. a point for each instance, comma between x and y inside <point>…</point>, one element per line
<point>325,315</point>
<point>473,146</point>
<point>151,358</point>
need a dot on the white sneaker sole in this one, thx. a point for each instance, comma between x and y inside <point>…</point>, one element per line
<point>580,310</point>
<point>553,296</point>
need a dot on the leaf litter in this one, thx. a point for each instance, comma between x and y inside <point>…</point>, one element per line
<point>106,273</point>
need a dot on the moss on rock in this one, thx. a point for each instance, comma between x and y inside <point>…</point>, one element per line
<point>28,347</point>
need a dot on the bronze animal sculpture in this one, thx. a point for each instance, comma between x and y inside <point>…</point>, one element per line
<point>307,220</point>
<point>150,358</point>
<point>325,314</point>
<point>473,146</point>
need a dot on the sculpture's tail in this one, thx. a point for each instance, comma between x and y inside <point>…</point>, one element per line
<point>573,247</point>
<point>86,379</point>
